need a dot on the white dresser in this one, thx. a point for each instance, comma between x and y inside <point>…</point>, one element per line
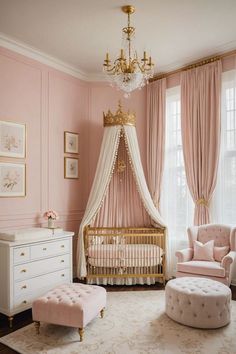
<point>29,269</point>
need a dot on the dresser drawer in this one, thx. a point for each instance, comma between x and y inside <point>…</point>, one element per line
<point>25,300</point>
<point>21,255</point>
<point>33,285</point>
<point>49,249</point>
<point>32,269</point>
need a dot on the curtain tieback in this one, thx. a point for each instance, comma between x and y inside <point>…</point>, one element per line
<point>202,201</point>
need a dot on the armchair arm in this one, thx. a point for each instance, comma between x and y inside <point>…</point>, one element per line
<point>184,255</point>
<point>227,261</point>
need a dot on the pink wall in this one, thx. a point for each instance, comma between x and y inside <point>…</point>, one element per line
<point>51,102</point>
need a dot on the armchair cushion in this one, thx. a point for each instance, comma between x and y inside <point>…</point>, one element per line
<point>203,252</point>
<point>220,252</point>
<point>202,268</point>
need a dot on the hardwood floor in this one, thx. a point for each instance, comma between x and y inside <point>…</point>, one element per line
<point>25,318</point>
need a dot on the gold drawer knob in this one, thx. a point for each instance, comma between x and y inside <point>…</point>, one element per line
<point>44,249</point>
<point>23,271</point>
<point>22,253</point>
<point>24,287</point>
<point>62,246</point>
<point>62,261</point>
<point>24,302</point>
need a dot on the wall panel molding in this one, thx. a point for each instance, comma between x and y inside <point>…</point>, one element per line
<point>11,217</point>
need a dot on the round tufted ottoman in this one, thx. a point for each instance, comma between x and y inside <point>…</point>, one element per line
<point>73,305</point>
<point>198,302</point>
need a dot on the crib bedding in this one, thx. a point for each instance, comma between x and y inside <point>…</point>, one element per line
<point>125,255</point>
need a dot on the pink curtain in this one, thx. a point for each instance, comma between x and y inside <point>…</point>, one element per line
<point>156,103</point>
<point>122,206</point>
<point>200,115</point>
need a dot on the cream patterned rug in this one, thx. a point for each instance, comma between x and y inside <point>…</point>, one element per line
<point>134,322</point>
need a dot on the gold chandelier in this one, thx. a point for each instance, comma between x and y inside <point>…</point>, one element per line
<point>127,72</point>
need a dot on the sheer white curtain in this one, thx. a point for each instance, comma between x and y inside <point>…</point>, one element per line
<point>176,203</point>
<point>223,206</point>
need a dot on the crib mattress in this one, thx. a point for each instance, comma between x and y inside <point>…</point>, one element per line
<point>124,255</point>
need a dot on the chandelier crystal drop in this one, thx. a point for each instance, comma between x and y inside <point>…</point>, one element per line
<point>127,72</point>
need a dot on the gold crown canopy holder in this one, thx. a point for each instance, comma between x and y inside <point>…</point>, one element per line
<point>119,118</point>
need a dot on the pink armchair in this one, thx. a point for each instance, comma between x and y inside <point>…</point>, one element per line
<point>221,271</point>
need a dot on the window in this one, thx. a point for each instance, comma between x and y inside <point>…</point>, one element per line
<point>224,200</point>
<point>176,202</point>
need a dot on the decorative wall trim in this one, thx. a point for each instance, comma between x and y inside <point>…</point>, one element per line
<point>97,77</point>
<point>63,214</point>
<point>33,53</point>
<point>13,222</point>
<point>195,64</point>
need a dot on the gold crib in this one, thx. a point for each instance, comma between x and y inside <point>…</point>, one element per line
<point>125,252</point>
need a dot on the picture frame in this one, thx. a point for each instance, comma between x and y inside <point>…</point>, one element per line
<point>71,142</point>
<point>12,139</point>
<point>71,167</point>
<point>12,179</point>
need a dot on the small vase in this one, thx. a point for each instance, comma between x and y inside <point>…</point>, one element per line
<point>50,223</point>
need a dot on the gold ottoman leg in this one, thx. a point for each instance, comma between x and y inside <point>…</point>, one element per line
<point>102,312</point>
<point>10,319</point>
<point>81,333</point>
<point>37,325</point>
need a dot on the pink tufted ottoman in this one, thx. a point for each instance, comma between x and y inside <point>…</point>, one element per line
<point>72,305</point>
<point>198,302</point>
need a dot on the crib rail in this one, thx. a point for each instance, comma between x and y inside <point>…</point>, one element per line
<point>126,252</point>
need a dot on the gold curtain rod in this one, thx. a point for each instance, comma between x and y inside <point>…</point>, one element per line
<point>200,62</point>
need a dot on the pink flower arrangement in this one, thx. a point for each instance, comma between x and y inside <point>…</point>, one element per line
<point>51,214</point>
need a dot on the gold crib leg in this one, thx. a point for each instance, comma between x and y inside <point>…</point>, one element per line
<point>102,312</point>
<point>81,333</point>
<point>37,325</point>
<point>10,320</point>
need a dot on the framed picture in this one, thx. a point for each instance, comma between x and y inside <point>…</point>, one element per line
<point>12,139</point>
<point>71,143</point>
<point>71,167</point>
<point>12,179</point>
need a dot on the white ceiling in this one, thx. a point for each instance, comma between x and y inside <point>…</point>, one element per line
<point>79,32</point>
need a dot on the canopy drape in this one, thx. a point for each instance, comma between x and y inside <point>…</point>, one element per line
<point>103,175</point>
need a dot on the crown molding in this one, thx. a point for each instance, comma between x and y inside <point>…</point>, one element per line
<point>97,77</point>
<point>33,53</point>
<point>224,48</point>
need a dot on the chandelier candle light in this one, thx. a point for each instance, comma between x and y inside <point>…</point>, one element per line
<point>127,72</point>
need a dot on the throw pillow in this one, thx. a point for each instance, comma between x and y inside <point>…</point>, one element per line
<point>203,252</point>
<point>220,252</point>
